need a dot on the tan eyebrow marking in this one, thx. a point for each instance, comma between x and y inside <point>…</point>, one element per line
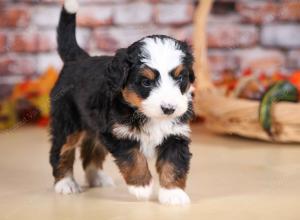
<point>148,73</point>
<point>178,70</point>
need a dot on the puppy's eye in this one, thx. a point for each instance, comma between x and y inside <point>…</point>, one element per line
<point>179,78</point>
<point>146,83</point>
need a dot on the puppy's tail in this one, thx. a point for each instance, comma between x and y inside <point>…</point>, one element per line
<point>68,48</point>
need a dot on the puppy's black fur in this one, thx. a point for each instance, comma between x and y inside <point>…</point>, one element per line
<point>88,97</point>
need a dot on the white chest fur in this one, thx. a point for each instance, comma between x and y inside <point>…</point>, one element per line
<point>151,134</point>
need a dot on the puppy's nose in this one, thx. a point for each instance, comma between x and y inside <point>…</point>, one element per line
<point>168,109</point>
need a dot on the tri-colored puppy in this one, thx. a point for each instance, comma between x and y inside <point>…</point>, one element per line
<point>134,105</point>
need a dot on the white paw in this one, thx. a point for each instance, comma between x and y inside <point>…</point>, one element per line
<point>97,178</point>
<point>67,185</point>
<point>174,196</point>
<point>141,192</point>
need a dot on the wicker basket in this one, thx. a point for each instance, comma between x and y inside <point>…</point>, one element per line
<point>231,115</point>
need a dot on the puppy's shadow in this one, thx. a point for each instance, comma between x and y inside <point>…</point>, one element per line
<point>117,193</point>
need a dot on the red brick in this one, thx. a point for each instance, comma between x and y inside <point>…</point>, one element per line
<point>45,60</point>
<point>51,1</point>
<point>170,1</point>
<point>4,65</point>
<point>258,11</point>
<point>93,16</point>
<point>132,13</point>
<point>44,1</point>
<point>46,16</point>
<point>14,17</point>
<point>281,35</point>
<point>154,1</point>
<point>110,39</point>
<point>20,65</point>
<point>113,38</point>
<point>34,42</point>
<point>290,11</point>
<point>23,65</point>
<point>227,18</point>
<point>174,14</point>
<point>221,60</point>
<point>3,42</point>
<point>294,59</point>
<point>261,59</point>
<point>83,36</point>
<point>101,1</point>
<point>5,90</point>
<point>182,33</point>
<point>231,35</point>
<point>105,41</point>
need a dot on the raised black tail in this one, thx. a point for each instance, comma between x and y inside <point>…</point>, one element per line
<point>68,47</point>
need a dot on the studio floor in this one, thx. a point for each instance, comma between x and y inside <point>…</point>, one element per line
<point>230,178</point>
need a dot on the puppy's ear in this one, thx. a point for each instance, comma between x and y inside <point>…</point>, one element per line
<point>191,75</point>
<point>188,60</point>
<point>119,69</point>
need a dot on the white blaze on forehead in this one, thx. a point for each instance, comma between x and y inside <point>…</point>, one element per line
<point>162,54</point>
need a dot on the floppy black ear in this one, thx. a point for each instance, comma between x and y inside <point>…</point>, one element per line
<point>119,69</point>
<point>191,75</point>
<point>188,59</point>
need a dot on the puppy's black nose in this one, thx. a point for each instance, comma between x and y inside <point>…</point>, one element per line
<point>168,110</point>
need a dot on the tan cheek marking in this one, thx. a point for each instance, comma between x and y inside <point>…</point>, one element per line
<point>167,176</point>
<point>178,70</point>
<point>132,98</point>
<point>148,74</point>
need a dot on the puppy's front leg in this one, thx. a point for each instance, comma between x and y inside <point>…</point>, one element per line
<point>134,168</point>
<point>172,166</point>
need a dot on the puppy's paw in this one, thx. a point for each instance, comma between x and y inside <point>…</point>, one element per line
<point>174,196</point>
<point>99,179</point>
<point>141,192</point>
<point>67,185</point>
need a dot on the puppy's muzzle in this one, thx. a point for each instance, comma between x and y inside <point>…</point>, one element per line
<point>168,109</point>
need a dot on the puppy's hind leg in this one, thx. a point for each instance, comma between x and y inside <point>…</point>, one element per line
<point>62,157</point>
<point>93,154</point>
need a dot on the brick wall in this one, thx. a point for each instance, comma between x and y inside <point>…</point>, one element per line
<point>239,32</point>
<point>246,33</point>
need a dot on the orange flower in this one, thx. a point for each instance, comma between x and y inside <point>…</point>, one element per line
<point>295,79</point>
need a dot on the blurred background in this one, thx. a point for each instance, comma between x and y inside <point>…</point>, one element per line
<point>241,35</point>
<point>252,44</point>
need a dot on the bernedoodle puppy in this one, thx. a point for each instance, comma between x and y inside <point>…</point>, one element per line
<point>134,105</point>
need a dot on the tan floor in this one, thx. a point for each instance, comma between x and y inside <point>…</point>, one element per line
<point>230,178</point>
